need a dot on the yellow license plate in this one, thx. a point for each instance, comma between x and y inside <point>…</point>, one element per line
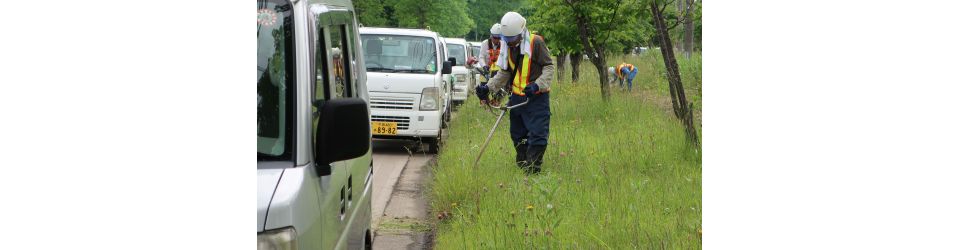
<point>384,128</point>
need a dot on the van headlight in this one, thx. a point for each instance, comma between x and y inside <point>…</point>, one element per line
<point>280,239</point>
<point>430,99</point>
<point>461,77</point>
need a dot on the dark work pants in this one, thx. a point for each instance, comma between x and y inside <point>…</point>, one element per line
<point>530,124</point>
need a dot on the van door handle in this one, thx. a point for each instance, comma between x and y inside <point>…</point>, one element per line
<point>343,203</point>
<point>350,190</point>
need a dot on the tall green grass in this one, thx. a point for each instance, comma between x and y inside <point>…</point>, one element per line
<point>616,175</point>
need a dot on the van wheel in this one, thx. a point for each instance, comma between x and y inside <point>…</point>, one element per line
<point>446,119</point>
<point>432,145</point>
<point>368,241</point>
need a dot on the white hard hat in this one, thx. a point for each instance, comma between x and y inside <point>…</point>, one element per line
<point>495,29</point>
<point>512,24</point>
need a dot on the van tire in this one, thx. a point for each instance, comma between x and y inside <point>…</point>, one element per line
<point>368,241</point>
<point>432,145</point>
<point>445,120</point>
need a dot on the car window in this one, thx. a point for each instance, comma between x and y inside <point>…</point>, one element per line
<point>351,38</point>
<point>475,50</point>
<point>397,53</point>
<point>457,51</point>
<point>341,65</point>
<point>275,80</point>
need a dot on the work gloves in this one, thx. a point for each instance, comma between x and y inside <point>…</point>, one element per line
<point>483,92</point>
<point>531,90</point>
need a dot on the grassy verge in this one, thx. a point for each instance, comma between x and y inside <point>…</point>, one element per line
<point>616,175</point>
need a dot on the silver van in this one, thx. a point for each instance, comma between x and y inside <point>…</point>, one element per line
<point>314,163</point>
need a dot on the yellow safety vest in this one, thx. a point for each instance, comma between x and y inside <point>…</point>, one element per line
<point>522,77</point>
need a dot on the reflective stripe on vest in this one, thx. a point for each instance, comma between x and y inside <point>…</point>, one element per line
<point>522,77</point>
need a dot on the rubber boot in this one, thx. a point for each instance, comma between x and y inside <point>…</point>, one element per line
<point>535,158</point>
<point>521,154</point>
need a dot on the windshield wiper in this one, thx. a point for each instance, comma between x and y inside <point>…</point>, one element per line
<point>414,70</point>
<point>379,69</point>
<point>268,157</point>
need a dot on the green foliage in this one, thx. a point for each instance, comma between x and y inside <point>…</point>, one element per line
<point>553,19</point>
<point>485,13</point>
<point>554,23</point>
<point>370,12</point>
<point>617,175</point>
<point>447,17</point>
<point>621,21</point>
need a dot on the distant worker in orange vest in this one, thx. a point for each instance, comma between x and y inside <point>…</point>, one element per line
<point>628,71</point>
<point>489,52</point>
<point>526,69</point>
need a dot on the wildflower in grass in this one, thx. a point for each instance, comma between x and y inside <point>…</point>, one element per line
<point>500,184</point>
<point>529,207</point>
<point>549,206</point>
<point>454,205</point>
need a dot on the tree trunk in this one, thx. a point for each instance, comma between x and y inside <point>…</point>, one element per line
<point>680,106</point>
<point>561,62</point>
<point>575,59</point>
<point>600,62</point>
<point>595,52</point>
<point>688,29</point>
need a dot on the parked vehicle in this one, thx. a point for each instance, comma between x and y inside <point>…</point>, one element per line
<point>448,82</point>
<point>405,71</point>
<point>314,164</point>
<point>477,76</point>
<point>458,49</point>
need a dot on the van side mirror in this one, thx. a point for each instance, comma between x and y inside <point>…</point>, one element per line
<point>453,61</point>
<point>343,131</point>
<point>447,68</point>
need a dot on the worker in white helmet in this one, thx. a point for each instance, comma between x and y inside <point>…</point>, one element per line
<point>489,52</point>
<point>526,69</point>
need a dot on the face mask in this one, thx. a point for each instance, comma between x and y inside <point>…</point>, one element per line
<point>509,39</point>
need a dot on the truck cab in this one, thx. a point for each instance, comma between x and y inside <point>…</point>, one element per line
<point>458,49</point>
<point>314,165</point>
<point>409,95</point>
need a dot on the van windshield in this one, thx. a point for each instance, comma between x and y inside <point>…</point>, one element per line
<point>457,51</point>
<point>397,53</point>
<point>275,85</point>
<point>475,50</point>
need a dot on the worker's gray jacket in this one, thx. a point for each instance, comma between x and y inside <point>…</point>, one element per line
<point>541,68</point>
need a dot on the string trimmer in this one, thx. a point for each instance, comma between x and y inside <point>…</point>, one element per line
<point>503,110</point>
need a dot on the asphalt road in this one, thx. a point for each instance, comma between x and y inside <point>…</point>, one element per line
<point>400,204</point>
<point>389,159</point>
<point>400,170</point>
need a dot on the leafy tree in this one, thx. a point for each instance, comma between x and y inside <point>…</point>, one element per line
<point>553,23</point>
<point>485,13</point>
<point>447,17</point>
<point>370,12</point>
<point>596,21</point>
